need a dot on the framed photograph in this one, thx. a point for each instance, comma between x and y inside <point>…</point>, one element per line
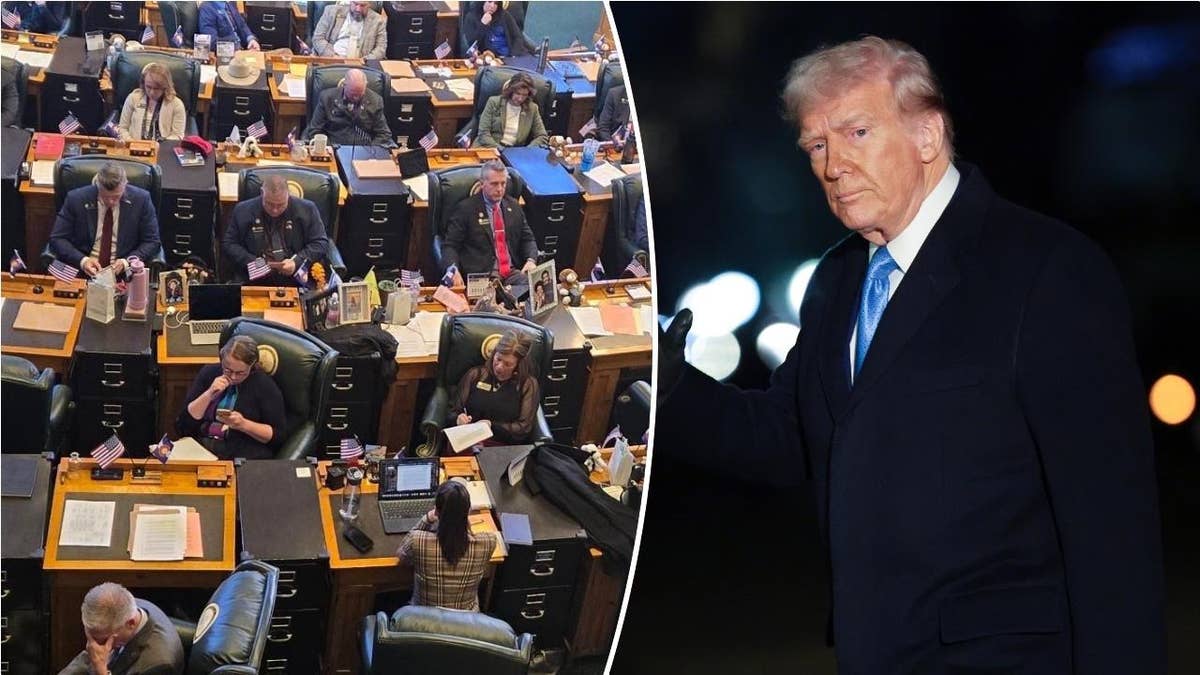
<point>355,300</point>
<point>321,309</point>
<point>543,288</point>
<point>173,288</point>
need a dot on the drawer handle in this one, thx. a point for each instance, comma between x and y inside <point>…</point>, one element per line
<point>549,416</point>
<point>532,616</point>
<point>182,216</point>
<point>546,570</point>
<point>338,427</point>
<point>374,256</point>
<point>267,29</point>
<point>68,99</point>
<point>406,120</point>
<point>241,114</point>
<point>184,252</point>
<point>378,221</point>
<point>4,593</point>
<point>286,638</point>
<point>113,385</point>
<point>119,17</point>
<point>416,32</point>
<point>342,387</point>
<point>555,219</point>
<point>554,377</point>
<point>112,425</point>
<point>291,594</point>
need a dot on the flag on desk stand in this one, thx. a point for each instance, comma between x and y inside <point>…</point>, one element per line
<point>109,128</point>
<point>351,448</point>
<point>410,278</point>
<point>588,128</point>
<point>464,141</point>
<point>257,130</point>
<point>62,271</point>
<point>598,271</point>
<point>636,269</point>
<point>301,273</point>
<point>11,19</point>
<point>575,43</point>
<point>148,34</point>
<point>429,141</point>
<point>290,141</point>
<point>177,38</point>
<point>70,124</point>
<point>162,451</point>
<point>473,50</point>
<point>107,452</point>
<point>15,265</point>
<point>442,50</point>
<point>612,436</point>
<point>257,268</point>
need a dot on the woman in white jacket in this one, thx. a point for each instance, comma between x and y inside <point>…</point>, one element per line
<point>153,112</point>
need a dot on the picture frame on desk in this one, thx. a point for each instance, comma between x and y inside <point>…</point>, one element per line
<point>173,287</point>
<point>322,309</point>
<point>543,292</point>
<point>355,300</point>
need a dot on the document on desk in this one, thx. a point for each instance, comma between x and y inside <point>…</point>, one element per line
<point>161,535</point>
<point>481,497</point>
<point>464,436</point>
<point>638,292</point>
<point>619,319</point>
<point>188,449</point>
<point>34,59</point>
<point>294,86</point>
<point>589,321</point>
<point>515,527</point>
<point>419,187</point>
<point>87,523</point>
<point>604,173</point>
<point>228,184</point>
<point>646,320</point>
<point>194,547</point>
<point>410,342</point>
<point>207,74</point>
<point>42,172</point>
<point>429,324</point>
<point>9,50</point>
<point>462,88</point>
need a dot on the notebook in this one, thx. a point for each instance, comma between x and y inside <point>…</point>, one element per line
<point>406,491</point>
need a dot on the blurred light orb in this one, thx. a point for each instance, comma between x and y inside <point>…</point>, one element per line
<point>775,341</point>
<point>799,284</point>
<point>715,355</point>
<point>721,305</point>
<point>1172,399</point>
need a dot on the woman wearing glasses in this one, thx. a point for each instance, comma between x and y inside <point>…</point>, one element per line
<point>153,112</point>
<point>234,409</point>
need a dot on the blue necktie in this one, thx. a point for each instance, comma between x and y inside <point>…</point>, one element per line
<point>874,300</point>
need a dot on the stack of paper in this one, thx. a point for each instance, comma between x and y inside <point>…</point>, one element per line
<point>188,449</point>
<point>462,88</point>
<point>429,324</point>
<point>464,436</point>
<point>207,74</point>
<point>410,342</point>
<point>293,86</point>
<point>481,497</point>
<point>604,173</point>
<point>419,187</point>
<point>42,172</point>
<point>619,319</point>
<point>589,321</point>
<point>34,59</point>
<point>164,533</point>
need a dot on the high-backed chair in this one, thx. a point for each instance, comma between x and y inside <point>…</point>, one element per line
<point>303,368</point>
<point>39,410</point>
<point>185,75</point>
<point>631,411</point>
<point>447,188</point>
<point>517,8</point>
<point>460,348</point>
<point>16,70</point>
<point>324,77</point>
<point>488,82</point>
<point>181,14</point>
<point>609,76</point>
<point>432,640</point>
<point>78,171</point>
<point>240,613</point>
<point>619,248</point>
<point>316,9</point>
<point>319,187</point>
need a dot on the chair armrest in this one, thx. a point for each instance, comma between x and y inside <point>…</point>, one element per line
<point>435,417</point>
<point>234,669</point>
<point>542,431</point>
<point>59,422</point>
<point>186,630</point>
<point>300,444</point>
<point>335,259</point>
<point>368,639</point>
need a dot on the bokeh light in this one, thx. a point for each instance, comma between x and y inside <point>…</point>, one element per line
<point>1172,399</point>
<point>799,284</point>
<point>775,341</point>
<point>715,355</point>
<point>721,305</point>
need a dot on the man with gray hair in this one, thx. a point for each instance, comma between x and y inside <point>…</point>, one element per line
<point>125,635</point>
<point>105,223</point>
<point>350,114</point>
<point>963,396</point>
<point>285,232</point>
<point>488,233</point>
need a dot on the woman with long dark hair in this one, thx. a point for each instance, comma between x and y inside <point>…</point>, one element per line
<point>512,118</point>
<point>448,559</point>
<point>502,392</point>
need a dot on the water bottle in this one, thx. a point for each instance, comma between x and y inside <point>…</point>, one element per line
<point>351,494</point>
<point>589,154</point>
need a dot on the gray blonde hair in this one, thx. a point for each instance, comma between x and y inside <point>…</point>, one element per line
<point>106,607</point>
<point>492,166</point>
<point>111,176</point>
<point>830,71</point>
<point>243,348</point>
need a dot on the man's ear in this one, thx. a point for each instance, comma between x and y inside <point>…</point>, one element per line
<point>931,135</point>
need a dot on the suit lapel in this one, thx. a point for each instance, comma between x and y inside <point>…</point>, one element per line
<point>834,361</point>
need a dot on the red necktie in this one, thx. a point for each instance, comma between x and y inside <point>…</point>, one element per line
<point>501,243</point>
<point>106,238</point>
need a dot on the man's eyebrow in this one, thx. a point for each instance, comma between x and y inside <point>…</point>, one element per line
<point>859,120</point>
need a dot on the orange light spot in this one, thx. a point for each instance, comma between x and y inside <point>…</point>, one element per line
<point>1172,399</point>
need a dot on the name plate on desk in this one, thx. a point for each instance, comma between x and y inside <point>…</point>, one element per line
<point>212,476</point>
<point>69,289</point>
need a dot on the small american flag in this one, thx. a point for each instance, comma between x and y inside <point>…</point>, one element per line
<point>601,44</point>
<point>636,269</point>
<point>70,124</point>
<point>301,273</point>
<point>302,47</point>
<point>258,268</point>
<point>612,436</point>
<point>148,34</point>
<point>598,271</point>
<point>442,50</point>
<point>177,38</point>
<point>107,452</point>
<point>351,448</point>
<point>257,130</point>
<point>588,128</point>
<point>16,264</point>
<point>410,278</point>
<point>429,141</point>
<point>464,141</point>
<point>473,50</point>
<point>290,141</point>
<point>162,451</point>
<point>109,128</point>
<point>448,277</point>
<point>62,271</point>
<point>11,19</point>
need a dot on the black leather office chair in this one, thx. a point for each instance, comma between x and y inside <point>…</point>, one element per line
<point>447,188</point>
<point>303,368</point>
<point>78,171</point>
<point>631,411</point>
<point>488,82</point>
<point>460,349</point>
<point>518,9</point>
<point>240,614</point>
<point>16,70</point>
<point>319,187</point>
<point>324,77</point>
<point>619,248</point>
<point>609,76</point>
<point>432,640</point>
<point>185,75</point>
<point>180,14</point>
<point>39,411</point>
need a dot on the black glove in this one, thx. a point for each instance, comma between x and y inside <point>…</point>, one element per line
<point>670,350</point>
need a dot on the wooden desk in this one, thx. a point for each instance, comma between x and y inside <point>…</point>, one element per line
<point>74,570</point>
<point>597,205</point>
<point>45,350</point>
<point>358,578</point>
<point>177,371</point>
<point>420,244</point>
<point>39,199</point>
<point>448,115</point>
<point>604,373</point>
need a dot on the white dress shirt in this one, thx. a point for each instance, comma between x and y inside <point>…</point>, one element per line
<point>100,210</point>
<point>349,40</point>
<point>512,122</point>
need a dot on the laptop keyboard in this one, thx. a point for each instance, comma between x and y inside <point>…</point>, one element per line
<point>402,509</point>
<point>212,326</point>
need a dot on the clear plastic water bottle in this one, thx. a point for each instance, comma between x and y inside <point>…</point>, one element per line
<point>352,494</point>
<point>589,154</point>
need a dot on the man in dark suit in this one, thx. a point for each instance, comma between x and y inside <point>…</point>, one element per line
<point>221,21</point>
<point>963,396</point>
<point>614,115</point>
<point>125,635</point>
<point>350,114</point>
<point>286,232</point>
<point>105,223</point>
<point>488,233</point>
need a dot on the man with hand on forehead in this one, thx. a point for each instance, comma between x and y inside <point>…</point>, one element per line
<point>125,636</point>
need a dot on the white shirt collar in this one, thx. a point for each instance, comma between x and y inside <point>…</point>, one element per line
<point>907,244</point>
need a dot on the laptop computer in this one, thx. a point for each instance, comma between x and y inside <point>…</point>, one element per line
<point>406,491</point>
<point>210,307</point>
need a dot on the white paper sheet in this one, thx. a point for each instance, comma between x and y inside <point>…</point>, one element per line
<point>410,342</point>
<point>638,291</point>
<point>419,186</point>
<point>589,321</point>
<point>228,182</point>
<point>464,436</point>
<point>42,172</point>
<point>87,523</point>
<point>294,87</point>
<point>646,319</point>
<point>274,162</point>
<point>9,50</point>
<point>429,324</point>
<point>481,497</point>
<point>462,88</point>
<point>34,59</point>
<point>604,173</point>
<point>188,449</point>
<point>207,74</point>
<point>160,536</point>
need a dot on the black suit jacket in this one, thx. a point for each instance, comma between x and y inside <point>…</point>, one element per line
<point>614,114</point>
<point>470,242</point>
<point>154,650</point>
<point>986,487</point>
<point>245,238</point>
<point>74,230</point>
<point>259,400</point>
<point>364,124</point>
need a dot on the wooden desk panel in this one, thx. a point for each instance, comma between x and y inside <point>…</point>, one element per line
<point>604,372</point>
<point>21,288</point>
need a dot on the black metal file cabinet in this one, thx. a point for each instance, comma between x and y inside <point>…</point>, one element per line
<point>72,85</point>
<point>553,204</point>
<point>240,105</point>
<point>23,609</point>
<point>271,23</point>
<point>280,524</point>
<point>113,17</point>
<point>409,116</point>
<point>411,29</point>
<point>566,383</point>
<point>353,408</point>
<point>377,218</point>
<point>187,214</point>
<point>113,384</point>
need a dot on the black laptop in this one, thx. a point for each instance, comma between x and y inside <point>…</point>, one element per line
<point>210,308</point>
<point>406,491</point>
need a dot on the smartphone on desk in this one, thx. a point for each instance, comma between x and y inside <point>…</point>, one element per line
<point>357,538</point>
<point>223,414</point>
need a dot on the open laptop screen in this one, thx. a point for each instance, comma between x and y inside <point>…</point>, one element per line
<point>210,302</point>
<point>405,477</point>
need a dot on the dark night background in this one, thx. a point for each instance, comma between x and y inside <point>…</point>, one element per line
<point>1086,112</point>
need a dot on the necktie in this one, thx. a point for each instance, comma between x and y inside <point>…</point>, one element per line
<point>505,265</point>
<point>874,300</point>
<point>106,238</point>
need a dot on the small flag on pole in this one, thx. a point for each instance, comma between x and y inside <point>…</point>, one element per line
<point>612,436</point>
<point>351,448</point>
<point>235,136</point>
<point>62,271</point>
<point>11,19</point>
<point>257,130</point>
<point>429,141</point>
<point>70,124</point>
<point>107,452</point>
<point>162,451</point>
<point>177,38</point>
<point>442,50</point>
<point>473,50</point>
<point>636,269</point>
<point>290,141</point>
<point>448,277</point>
<point>301,273</point>
<point>302,47</point>
<point>16,264</point>
<point>148,34</point>
<point>588,128</point>
<point>464,141</point>
<point>257,268</point>
<point>598,271</point>
<point>109,128</point>
<point>410,278</point>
